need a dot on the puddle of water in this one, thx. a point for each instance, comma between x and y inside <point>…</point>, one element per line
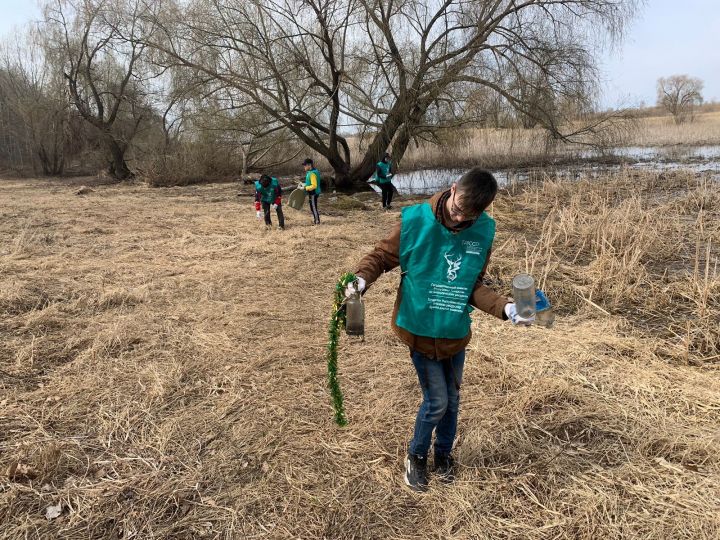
<point>658,153</point>
<point>425,181</point>
<point>699,159</point>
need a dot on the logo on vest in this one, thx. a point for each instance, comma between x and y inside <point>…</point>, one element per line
<point>453,265</point>
<point>472,247</point>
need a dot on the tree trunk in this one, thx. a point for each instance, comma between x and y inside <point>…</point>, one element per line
<point>405,134</point>
<point>58,149</point>
<point>244,168</point>
<point>355,179</point>
<point>345,180</point>
<point>118,168</point>
<point>44,161</point>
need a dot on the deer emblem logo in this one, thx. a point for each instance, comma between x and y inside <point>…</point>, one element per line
<point>453,266</point>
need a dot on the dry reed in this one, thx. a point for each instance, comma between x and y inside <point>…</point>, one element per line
<point>513,148</point>
<point>162,371</point>
<point>662,131</point>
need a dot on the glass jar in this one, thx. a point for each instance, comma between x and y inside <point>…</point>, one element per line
<point>523,292</point>
<point>355,315</point>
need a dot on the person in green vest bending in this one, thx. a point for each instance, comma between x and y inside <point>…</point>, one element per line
<point>383,178</point>
<point>268,194</point>
<point>442,247</point>
<point>312,187</point>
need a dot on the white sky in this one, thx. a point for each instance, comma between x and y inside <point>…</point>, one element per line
<point>15,13</point>
<point>669,37</point>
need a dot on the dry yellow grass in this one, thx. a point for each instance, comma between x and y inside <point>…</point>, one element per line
<point>662,131</point>
<point>493,148</point>
<point>162,371</point>
<point>508,148</point>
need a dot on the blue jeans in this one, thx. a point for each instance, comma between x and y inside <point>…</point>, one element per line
<point>440,383</point>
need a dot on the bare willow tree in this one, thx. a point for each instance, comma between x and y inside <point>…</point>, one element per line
<point>241,129</point>
<point>258,138</point>
<point>35,95</point>
<point>326,69</point>
<point>210,129</point>
<point>679,95</point>
<point>99,43</point>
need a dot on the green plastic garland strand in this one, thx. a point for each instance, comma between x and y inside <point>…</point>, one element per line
<point>337,323</point>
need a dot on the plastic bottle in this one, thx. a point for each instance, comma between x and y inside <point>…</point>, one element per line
<point>355,313</point>
<point>523,292</point>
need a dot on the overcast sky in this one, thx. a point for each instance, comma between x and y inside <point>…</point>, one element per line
<point>669,37</point>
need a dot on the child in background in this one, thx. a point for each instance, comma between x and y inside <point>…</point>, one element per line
<point>383,178</point>
<point>312,188</point>
<point>268,194</point>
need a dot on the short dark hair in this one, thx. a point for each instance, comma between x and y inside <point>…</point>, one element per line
<point>307,161</point>
<point>265,180</point>
<point>478,188</point>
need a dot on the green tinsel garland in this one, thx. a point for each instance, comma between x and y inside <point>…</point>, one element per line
<point>337,323</point>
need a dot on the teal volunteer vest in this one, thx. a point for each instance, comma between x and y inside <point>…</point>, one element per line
<point>267,194</point>
<point>308,182</point>
<point>439,272</point>
<point>385,168</point>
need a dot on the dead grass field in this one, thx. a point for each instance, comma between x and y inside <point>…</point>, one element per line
<point>662,131</point>
<point>162,371</point>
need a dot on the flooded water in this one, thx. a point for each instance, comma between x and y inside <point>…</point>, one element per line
<point>699,159</point>
<point>660,153</point>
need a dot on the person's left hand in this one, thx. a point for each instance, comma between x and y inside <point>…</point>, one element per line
<point>355,286</point>
<point>273,206</point>
<point>512,314</point>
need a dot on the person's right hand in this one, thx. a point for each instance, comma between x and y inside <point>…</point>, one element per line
<point>259,214</point>
<point>512,314</point>
<point>351,287</point>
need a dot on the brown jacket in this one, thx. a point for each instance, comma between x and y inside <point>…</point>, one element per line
<point>386,256</point>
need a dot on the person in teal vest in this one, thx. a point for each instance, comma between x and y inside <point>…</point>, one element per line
<point>268,194</point>
<point>442,247</point>
<point>383,178</point>
<point>312,187</point>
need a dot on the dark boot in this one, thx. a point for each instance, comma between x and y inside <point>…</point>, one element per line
<point>444,468</point>
<point>416,472</point>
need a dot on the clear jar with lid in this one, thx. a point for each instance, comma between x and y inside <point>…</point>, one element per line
<point>523,292</point>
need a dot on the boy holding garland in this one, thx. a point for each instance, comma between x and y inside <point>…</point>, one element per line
<point>442,247</point>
